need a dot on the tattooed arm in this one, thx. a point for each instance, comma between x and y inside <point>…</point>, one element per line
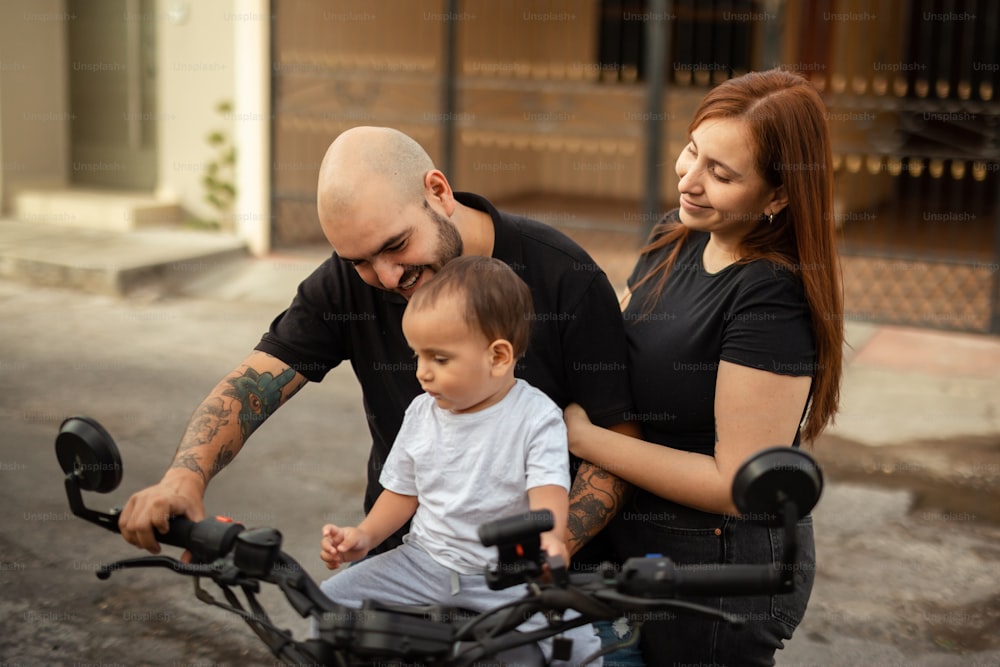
<point>237,406</point>
<point>595,498</point>
<point>231,412</point>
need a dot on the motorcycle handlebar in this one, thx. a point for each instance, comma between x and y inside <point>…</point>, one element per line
<point>729,580</point>
<point>254,555</point>
<point>207,540</point>
<point>659,577</point>
<point>230,555</point>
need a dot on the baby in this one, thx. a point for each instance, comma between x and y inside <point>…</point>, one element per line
<point>477,445</point>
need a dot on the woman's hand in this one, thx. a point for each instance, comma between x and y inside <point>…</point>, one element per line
<point>577,423</point>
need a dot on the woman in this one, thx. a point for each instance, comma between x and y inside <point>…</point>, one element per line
<point>735,330</point>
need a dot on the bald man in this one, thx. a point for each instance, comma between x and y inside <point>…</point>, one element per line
<point>393,221</point>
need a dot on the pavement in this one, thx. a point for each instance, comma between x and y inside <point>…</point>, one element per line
<point>908,529</point>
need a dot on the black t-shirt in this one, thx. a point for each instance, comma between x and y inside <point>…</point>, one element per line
<point>577,351</point>
<point>752,314</point>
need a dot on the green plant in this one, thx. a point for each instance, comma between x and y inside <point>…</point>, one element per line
<point>220,172</point>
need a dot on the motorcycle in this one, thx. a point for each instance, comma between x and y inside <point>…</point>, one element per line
<point>776,486</point>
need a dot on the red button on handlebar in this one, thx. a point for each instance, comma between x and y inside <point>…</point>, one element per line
<point>224,519</point>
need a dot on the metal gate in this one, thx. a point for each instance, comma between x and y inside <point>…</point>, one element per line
<point>912,95</point>
<point>911,86</point>
<point>340,65</point>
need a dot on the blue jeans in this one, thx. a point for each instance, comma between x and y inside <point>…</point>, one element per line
<point>649,524</point>
<point>614,632</point>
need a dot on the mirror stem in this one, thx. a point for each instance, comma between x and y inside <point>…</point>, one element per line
<point>109,521</point>
<point>789,554</point>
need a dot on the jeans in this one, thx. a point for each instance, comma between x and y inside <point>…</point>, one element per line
<point>649,524</point>
<point>613,632</point>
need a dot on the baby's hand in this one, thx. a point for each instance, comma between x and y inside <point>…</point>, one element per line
<point>553,546</point>
<point>342,545</point>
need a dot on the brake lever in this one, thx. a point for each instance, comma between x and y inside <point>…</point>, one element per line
<point>220,571</point>
<point>155,561</point>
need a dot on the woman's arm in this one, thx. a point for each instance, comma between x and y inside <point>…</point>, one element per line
<point>754,409</point>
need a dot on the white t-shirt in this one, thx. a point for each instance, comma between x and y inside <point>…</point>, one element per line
<point>467,469</point>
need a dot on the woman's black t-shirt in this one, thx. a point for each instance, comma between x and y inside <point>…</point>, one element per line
<point>752,314</point>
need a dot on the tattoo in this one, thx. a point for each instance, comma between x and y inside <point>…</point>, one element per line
<point>190,462</point>
<point>222,459</point>
<point>204,426</point>
<point>595,498</point>
<point>259,395</point>
<point>210,416</point>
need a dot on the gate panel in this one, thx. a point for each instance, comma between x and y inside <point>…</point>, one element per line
<point>337,66</point>
<point>916,137</point>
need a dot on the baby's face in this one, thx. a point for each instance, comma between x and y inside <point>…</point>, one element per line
<point>454,363</point>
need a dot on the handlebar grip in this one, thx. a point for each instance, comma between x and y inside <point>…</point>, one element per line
<point>207,539</point>
<point>729,579</point>
<point>179,533</point>
<point>516,528</point>
<point>654,577</point>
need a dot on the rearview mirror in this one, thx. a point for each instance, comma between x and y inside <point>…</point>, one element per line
<point>771,479</point>
<point>91,461</point>
<point>86,451</point>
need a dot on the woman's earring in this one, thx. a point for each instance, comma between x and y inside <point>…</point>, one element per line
<point>770,218</point>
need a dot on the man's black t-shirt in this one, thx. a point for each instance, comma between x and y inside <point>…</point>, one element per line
<point>753,314</point>
<point>577,351</point>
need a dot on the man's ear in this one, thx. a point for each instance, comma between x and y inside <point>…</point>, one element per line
<point>437,188</point>
<point>501,356</point>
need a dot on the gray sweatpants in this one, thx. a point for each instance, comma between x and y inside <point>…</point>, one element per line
<point>408,575</point>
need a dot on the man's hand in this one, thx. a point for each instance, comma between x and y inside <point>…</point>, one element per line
<point>343,545</point>
<point>151,508</point>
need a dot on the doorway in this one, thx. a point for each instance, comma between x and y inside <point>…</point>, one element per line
<point>112,88</point>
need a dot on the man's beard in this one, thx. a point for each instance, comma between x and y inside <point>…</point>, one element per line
<point>449,240</point>
<point>449,247</point>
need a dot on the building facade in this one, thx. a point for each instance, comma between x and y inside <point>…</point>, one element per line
<point>545,105</point>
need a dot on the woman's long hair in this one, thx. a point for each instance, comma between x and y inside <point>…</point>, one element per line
<point>786,119</point>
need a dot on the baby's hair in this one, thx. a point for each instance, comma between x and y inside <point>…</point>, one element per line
<point>497,302</point>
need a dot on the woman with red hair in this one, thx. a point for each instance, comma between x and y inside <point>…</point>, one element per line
<point>734,319</point>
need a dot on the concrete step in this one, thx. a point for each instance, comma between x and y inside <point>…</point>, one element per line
<point>94,208</point>
<point>154,260</point>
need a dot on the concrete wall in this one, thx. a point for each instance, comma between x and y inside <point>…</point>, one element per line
<point>34,113</point>
<point>195,44</point>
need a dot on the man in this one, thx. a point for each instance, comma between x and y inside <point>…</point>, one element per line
<point>393,221</point>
